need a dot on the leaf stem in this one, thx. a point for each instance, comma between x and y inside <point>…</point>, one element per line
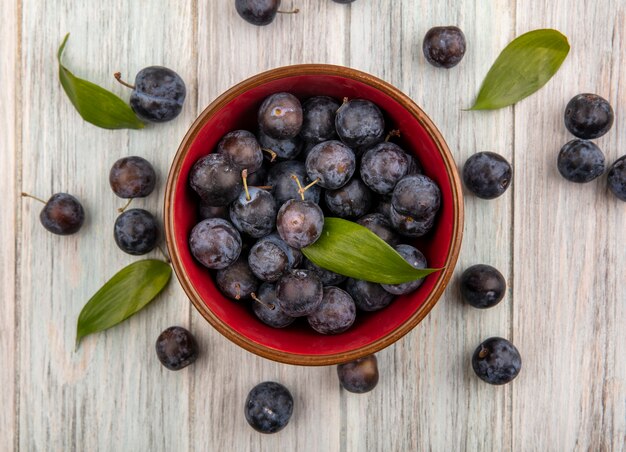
<point>118,77</point>
<point>26,195</point>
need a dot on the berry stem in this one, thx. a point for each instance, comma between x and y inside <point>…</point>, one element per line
<point>26,195</point>
<point>244,176</point>
<point>263,187</point>
<point>238,289</point>
<point>268,306</point>
<point>123,208</point>
<point>392,133</point>
<point>483,353</point>
<point>165,256</point>
<point>310,185</point>
<point>300,189</point>
<point>271,153</point>
<point>118,77</point>
<point>295,11</point>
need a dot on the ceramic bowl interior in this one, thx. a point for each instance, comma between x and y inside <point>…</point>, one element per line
<point>298,343</point>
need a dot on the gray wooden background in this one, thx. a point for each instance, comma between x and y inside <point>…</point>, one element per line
<point>560,245</point>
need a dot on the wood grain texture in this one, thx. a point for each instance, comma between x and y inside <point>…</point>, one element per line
<point>558,244</point>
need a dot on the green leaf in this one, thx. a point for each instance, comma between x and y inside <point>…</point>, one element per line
<point>524,66</point>
<point>353,250</point>
<point>95,104</point>
<point>124,294</point>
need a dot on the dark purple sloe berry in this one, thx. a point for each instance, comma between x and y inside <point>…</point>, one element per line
<point>368,296</point>
<point>299,223</point>
<point>335,314</point>
<point>353,200</point>
<point>299,293</point>
<point>265,307</point>
<point>359,376</point>
<point>383,165</point>
<point>63,214</point>
<point>158,94</point>
<point>243,149</point>
<point>580,161</point>
<point>359,123</point>
<point>380,225</point>
<point>132,177</point>
<point>496,361</point>
<point>215,243</point>
<point>482,286</point>
<point>237,281</point>
<point>487,174</point>
<point>270,257</point>
<point>216,180</point>
<point>176,348</point>
<point>332,163</point>
<point>280,116</point>
<point>136,231</point>
<point>444,46</point>
<point>617,178</point>
<point>269,406</point>
<point>327,277</point>
<point>318,122</point>
<point>417,260</point>
<point>588,116</point>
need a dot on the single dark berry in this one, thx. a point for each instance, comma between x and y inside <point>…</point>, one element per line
<point>368,296</point>
<point>359,376</point>
<point>280,116</point>
<point>496,361</point>
<point>255,216</point>
<point>383,166</point>
<point>243,149</point>
<point>408,226</point>
<point>482,286</point>
<point>332,163</point>
<point>588,116</point>
<point>269,406</point>
<point>158,95</point>
<point>417,196</point>
<point>299,223</point>
<point>327,277</point>
<point>580,161</point>
<point>270,257</point>
<point>335,314</point>
<point>284,187</point>
<point>176,348</point>
<point>299,293</point>
<point>360,123</point>
<point>318,122</point>
<point>63,214</point>
<point>136,231</point>
<point>417,260</point>
<point>380,225</point>
<point>215,243</point>
<point>237,281</point>
<point>286,149</point>
<point>353,200</point>
<point>257,12</point>
<point>444,46</point>
<point>487,174</point>
<point>132,177</point>
<point>216,180</point>
<point>206,211</point>
<point>617,178</point>
<point>265,307</point>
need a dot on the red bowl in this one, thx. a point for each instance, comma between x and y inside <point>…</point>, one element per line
<point>299,344</point>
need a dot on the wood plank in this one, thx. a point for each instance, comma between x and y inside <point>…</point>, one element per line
<point>569,258</point>
<point>112,394</point>
<point>9,225</point>
<point>428,396</point>
<point>222,381</point>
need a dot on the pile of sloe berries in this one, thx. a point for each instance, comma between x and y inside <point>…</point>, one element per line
<point>263,197</point>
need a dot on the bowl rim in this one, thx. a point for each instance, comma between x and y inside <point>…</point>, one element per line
<point>458,213</point>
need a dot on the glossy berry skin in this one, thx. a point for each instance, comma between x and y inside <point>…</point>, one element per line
<point>359,123</point>
<point>588,116</point>
<point>332,162</point>
<point>286,149</point>
<point>63,214</point>
<point>257,12</point>
<point>132,177</point>
<point>270,257</point>
<point>280,116</point>
<point>299,223</point>
<point>353,200</point>
<point>215,243</point>
<point>318,122</point>
<point>408,226</point>
<point>417,196</point>
<point>327,277</point>
<point>268,311</point>
<point>496,361</point>
<point>269,407</point>
<point>176,348</point>
<point>417,260</point>
<point>368,296</point>
<point>237,281</point>
<point>243,149</point>
<point>136,231</point>
<point>444,46</point>
<point>580,161</point>
<point>380,225</point>
<point>383,166</point>
<point>384,206</point>
<point>343,2</point>
<point>285,188</point>
<point>335,314</point>
<point>482,286</point>
<point>255,216</point>
<point>299,293</point>
<point>206,211</point>
<point>159,94</point>
<point>617,178</point>
<point>359,376</point>
<point>487,174</point>
<point>216,180</point>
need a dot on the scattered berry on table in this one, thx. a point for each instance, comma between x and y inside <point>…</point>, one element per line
<point>359,376</point>
<point>268,407</point>
<point>487,174</point>
<point>482,286</point>
<point>496,361</point>
<point>176,348</point>
<point>136,231</point>
<point>588,116</point>
<point>580,161</point>
<point>444,46</point>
